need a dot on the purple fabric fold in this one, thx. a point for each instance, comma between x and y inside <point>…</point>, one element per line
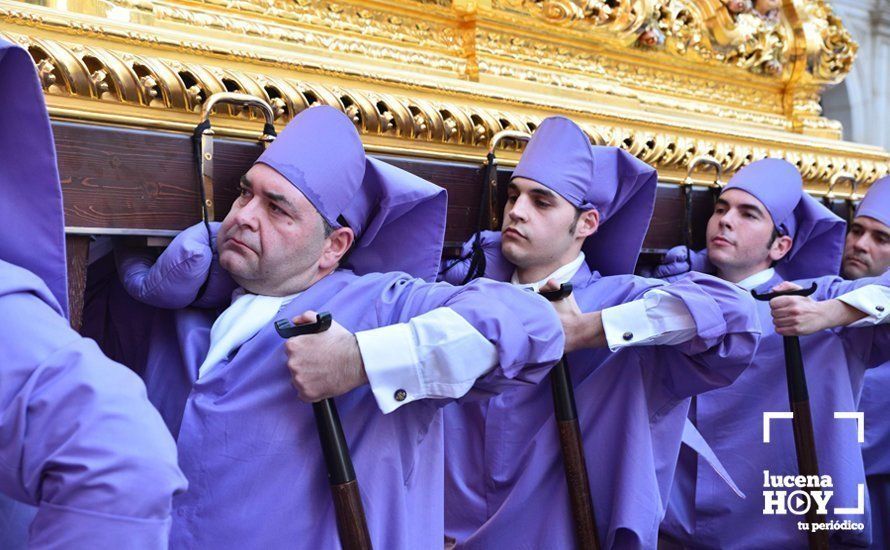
<point>876,203</point>
<point>31,209</point>
<point>77,430</point>
<point>78,437</point>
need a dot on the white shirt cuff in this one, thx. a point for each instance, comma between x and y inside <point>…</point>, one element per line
<point>390,358</point>
<point>873,301</point>
<point>626,324</point>
<point>435,355</point>
<point>658,318</point>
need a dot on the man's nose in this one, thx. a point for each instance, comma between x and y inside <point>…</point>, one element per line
<point>247,215</point>
<point>518,210</point>
<point>860,243</point>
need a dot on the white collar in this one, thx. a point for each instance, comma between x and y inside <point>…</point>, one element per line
<point>242,320</point>
<point>753,281</point>
<point>562,275</point>
<point>241,291</point>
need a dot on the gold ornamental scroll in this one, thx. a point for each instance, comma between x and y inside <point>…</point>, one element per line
<point>667,80</point>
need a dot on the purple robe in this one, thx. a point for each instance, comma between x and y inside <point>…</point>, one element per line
<point>875,401</point>
<point>505,485</point>
<point>247,444</point>
<point>875,404</point>
<point>78,438</point>
<point>250,447</point>
<point>731,420</point>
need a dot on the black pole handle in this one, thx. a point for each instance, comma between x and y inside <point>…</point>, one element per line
<point>333,443</point>
<point>802,419</point>
<point>352,525</point>
<point>561,293</point>
<point>571,444</point>
<point>286,329</point>
<point>797,382</point>
<point>330,430</point>
<point>561,383</point>
<point>767,296</point>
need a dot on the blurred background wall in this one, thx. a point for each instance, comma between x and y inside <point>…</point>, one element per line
<point>862,101</point>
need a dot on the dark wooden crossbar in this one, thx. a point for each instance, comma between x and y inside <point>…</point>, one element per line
<point>142,182</point>
<point>124,180</point>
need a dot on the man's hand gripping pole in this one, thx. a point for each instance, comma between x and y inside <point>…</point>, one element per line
<point>572,445</point>
<point>802,421</point>
<point>352,526</point>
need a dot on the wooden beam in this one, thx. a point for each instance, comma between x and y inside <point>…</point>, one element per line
<point>118,179</point>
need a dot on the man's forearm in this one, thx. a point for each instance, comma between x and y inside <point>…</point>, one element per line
<point>585,331</point>
<point>838,314</point>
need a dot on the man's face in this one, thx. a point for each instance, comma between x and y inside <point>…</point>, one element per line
<point>867,250</point>
<point>740,233</point>
<point>272,239</point>
<point>538,227</point>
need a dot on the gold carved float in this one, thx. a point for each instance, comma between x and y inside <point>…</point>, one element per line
<point>668,80</point>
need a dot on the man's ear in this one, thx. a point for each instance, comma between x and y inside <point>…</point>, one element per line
<point>588,223</point>
<point>336,245</point>
<point>780,247</point>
